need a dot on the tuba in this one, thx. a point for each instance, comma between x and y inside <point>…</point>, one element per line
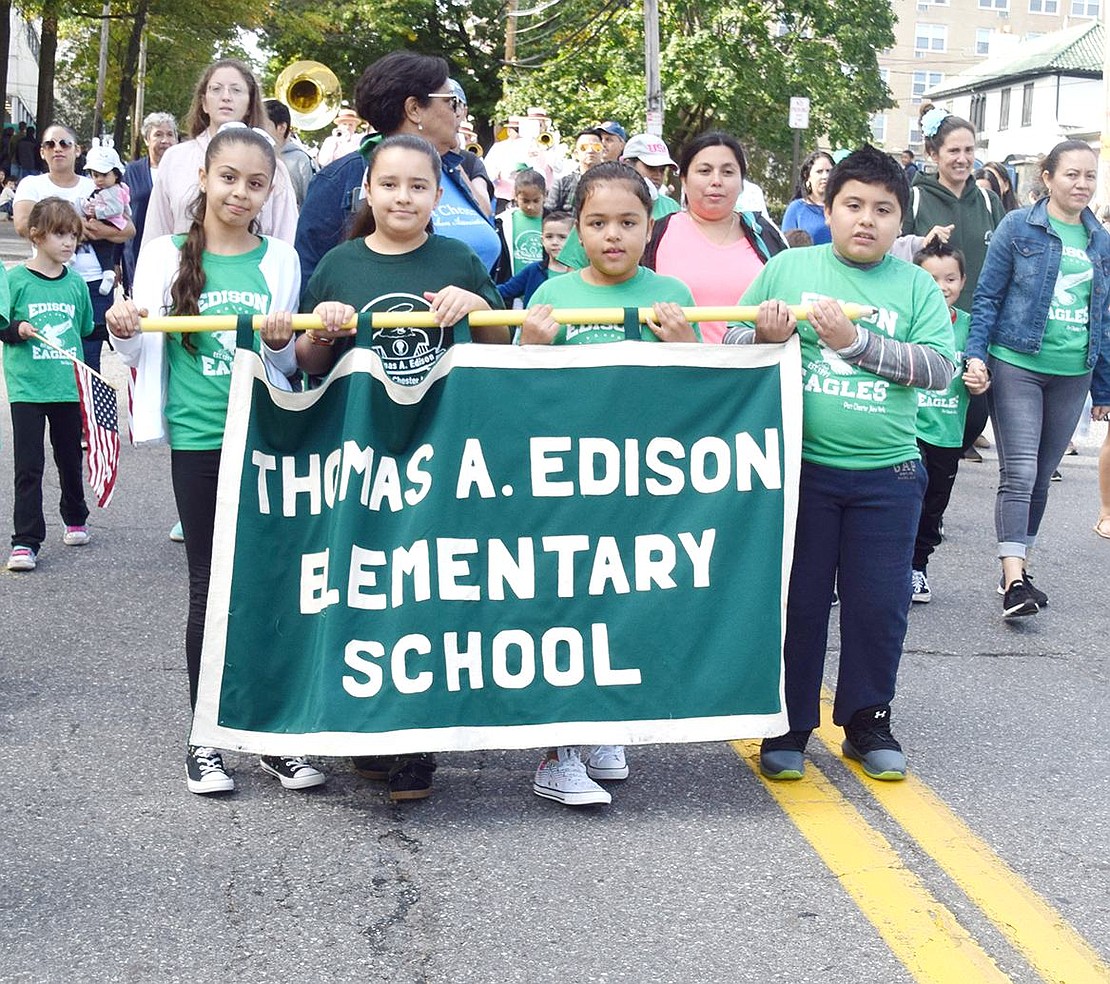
<point>311,91</point>
<point>475,148</point>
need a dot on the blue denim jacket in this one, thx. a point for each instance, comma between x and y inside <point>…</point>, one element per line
<point>1015,289</point>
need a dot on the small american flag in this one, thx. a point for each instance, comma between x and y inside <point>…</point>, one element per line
<point>100,425</point>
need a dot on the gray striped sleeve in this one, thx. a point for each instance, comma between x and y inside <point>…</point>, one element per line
<point>907,363</point>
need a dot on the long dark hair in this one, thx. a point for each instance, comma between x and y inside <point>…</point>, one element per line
<point>364,223</point>
<point>188,283</point>
<point>712,138</point>
<point>802,188</point>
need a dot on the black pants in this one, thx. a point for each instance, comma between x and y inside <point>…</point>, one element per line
<point>195,475</point>
<point>28,431</point>
<point>941,465</point>
<point>976,419</point>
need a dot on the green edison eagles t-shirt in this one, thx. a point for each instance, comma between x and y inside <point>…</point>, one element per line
<point>200,380</point>
<point>941,416</point>
<point>1066,333</point>
<point>60,311</point>
<point>642,290</point>
<point>370,281</point>
<point>852,418</point>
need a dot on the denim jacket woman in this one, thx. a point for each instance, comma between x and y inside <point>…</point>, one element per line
<point>1016,286</point>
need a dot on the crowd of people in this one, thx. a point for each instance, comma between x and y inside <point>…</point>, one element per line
<point>1002,312</point>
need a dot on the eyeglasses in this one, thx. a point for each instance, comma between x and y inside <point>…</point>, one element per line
<point>63,143</point>
<point>218,89</point>
<point>588,147</point>
<point>455,101</point>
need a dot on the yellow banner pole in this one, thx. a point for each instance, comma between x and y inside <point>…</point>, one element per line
<point>425,319</point>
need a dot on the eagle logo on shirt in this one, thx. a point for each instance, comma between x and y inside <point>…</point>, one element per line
<point>836,365</point>
<point>1066,283</point>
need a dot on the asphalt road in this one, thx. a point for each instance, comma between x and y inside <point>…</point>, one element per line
<point>110,870</point>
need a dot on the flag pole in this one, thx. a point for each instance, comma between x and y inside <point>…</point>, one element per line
<point>426,319</point>
<point>72,358</point>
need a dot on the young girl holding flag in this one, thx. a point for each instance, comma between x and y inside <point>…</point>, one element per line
<point>50,301</point>
<point>220,267</point>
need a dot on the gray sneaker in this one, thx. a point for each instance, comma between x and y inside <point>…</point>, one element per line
<point>868,740</point>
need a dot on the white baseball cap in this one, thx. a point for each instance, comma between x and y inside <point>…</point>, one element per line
<point>102,160</point>
<point>647,148</point>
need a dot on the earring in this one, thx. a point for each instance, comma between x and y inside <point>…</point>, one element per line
<point>420,126</point>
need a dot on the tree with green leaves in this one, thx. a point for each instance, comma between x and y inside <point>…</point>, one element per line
<point>348,35</point>
<point>724,64</point>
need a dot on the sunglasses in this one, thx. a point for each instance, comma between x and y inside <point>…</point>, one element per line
<point>63,143</point>
<point>446,95</point>
<point>587,147</point>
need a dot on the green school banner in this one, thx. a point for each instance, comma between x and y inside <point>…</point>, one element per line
<point>535,546</point>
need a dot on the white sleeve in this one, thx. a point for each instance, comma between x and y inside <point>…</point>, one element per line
<point>281,266</point>
<point>279,215</point>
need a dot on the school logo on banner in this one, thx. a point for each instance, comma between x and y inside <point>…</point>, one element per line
<point>533,546</point>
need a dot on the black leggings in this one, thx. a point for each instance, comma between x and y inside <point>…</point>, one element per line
<point>195,474</point>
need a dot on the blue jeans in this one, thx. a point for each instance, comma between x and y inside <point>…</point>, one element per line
<point>1034,416</point>
<point>856,530</point>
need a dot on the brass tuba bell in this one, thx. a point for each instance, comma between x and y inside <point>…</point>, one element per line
<point>475,148</point>
<point>311,91</point>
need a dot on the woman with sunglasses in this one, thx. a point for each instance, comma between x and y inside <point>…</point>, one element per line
<point>402,92</point>
<point>226,91</point>
<point>60,150</point>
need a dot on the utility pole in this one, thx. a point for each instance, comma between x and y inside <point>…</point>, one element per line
<point>102,71</point>
<point>1102,190</point>
<point>654,122</point>
<point>140,96</point>
<point>510,33</point>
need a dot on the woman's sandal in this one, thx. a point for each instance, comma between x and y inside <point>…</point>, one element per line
<point>1102,527</point>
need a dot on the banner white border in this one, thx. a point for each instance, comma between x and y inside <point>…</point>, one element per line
<point>248,368</point>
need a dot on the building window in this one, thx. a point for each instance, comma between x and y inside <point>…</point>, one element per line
<point>983,41</point>
<point>1084,8</point>
<point>1004,110</point>
<point>922,83</point>
<point>928,38</point>
<point>978,111</point>
<point>914,138</point>
<point>878,128</point>
<point>1027,104</point>
<point>994,4</point>
<point>1044,6</point>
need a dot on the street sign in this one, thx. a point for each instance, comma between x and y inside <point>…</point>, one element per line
<point>799,112</point>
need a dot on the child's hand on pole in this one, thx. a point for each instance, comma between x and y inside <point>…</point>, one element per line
<point>774,322</point>
<point>539,327</point>
<point>122,319</point>
<point>670,324</point>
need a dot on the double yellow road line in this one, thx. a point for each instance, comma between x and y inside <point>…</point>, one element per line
<point>919,929</point>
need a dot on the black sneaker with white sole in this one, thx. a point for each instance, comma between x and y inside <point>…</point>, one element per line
<point>205,772</point>
<point>292,771</point>
<point>1019,600</point>
<point>1038,595</point>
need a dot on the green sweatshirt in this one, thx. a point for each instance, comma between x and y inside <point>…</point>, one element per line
<point>974,222</point>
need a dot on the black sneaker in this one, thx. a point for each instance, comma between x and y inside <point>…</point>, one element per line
<point>868,740</point>
<point>292,771</point>
<point>205,772</point>
<point>411,777</point>
<point>1038,595</point>
<point>1057,476</point>
<point>1018,600</point>
<point>781,757</point>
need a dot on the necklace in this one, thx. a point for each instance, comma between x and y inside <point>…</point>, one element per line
<point>705,226</point>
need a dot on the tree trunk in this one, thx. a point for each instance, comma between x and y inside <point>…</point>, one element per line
<point>5,47</point>
<point>48,50</point>
<point>127,80</point>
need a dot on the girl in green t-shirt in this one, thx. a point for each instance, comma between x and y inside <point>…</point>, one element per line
<point>614,224</point>
<point>221,266</point>
<point>393,262</point>
<point>47,300</point>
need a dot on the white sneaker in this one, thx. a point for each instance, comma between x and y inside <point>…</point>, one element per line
<point>107,282</point>
<point>564,780</point>
<point>607,762</point>
<point>292,770</point>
